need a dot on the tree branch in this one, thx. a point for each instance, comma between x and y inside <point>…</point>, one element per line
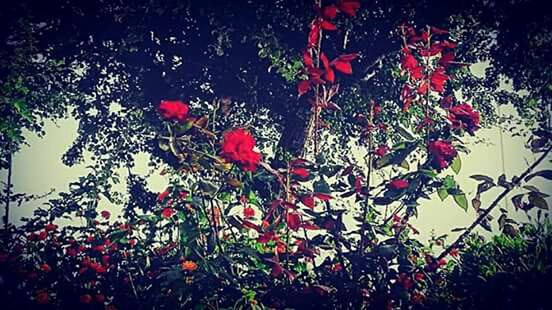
<point>495,203</point>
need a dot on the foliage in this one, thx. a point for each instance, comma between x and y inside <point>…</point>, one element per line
<point>508,271</point>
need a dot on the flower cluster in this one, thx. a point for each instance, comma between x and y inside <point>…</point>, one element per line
<point>463,116</point>
<point>174,110</point>
<point>442,153</point>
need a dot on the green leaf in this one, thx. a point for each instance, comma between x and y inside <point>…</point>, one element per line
<point>538,201</point>
<point>397,156</point>
<point>456,164</point>
<point>480,177</point>
<point>442,193</point>
<point>461,201</point>
<point>547,174</point>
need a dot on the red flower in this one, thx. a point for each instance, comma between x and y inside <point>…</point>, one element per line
<point>438,80</point>
<point>343,63</point>
<point>329,75</point>
<point>45,267</point>
<point>454,252</point>
<point>464,117</point>
<point>308,200</point>
<point>248,212</point>
<point>42,297</point>
<point>381,150</point>
<point>167,212</point>
<point>410,64</point>
<point>419,276</point>
<point>398,184</point>
<point>314,34</point>
<point>238,146</point>
<point>162,195</point>
<point>43,235</point>
<point>50,227</point>
<point>329,12</point>
<point>105,214</point>
<point>174,110</point>
<point>349,7</point>
<point>442,152</point>
<point>85,299</point>
<point>326,25</point>
<point>293,220</point>
<point>300,172</point>
<point>446,59</point>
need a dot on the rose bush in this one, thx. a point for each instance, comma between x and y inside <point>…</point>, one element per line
<point>238,227</point>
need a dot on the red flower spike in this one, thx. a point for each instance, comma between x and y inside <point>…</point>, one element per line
<point>438,80</point>
<point>174,110</point>
<point>349,7</point>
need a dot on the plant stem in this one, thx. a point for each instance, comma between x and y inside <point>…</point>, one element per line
<point>493,205</point>
<point>368,177</point>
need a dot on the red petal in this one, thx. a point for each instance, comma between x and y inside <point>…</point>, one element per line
<point>303,87</point>
<point>307,59</point>
<point>326,25</point>
<point>329,12</point>
<point>342,66</point>
<point>349,7</point>
<point>293,221</point>
<point>308,201</point>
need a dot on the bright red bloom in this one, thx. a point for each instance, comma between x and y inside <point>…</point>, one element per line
<point>438,80</point>
<point>248,212</point>
<point>238,146</point>
<point>105,214</point>
<point>174,110</point>
<point>85,299</point>
<point>167,212</point>
<point>329,75</point>
<point>442,153</point>
<point>308,200</point>
<point>398,184</point>
<point>349,7</point>
<point>314,34</point>
<point>43,235</point>
<point>326,25</point>
<point>463,116</point>
<point>381,150</point>
<point>300,172</point>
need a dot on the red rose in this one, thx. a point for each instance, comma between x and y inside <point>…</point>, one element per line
<point>248,212</point>
<point>464,117</point>
<point>167,212</point>
<point>300,172</point>
<point>105,214</point>
<point>398,184</point>
<point>442,152</point>
<point>174,110</point>
<point>381,150</point>
<point>238,146</point>
<point>85,299</point>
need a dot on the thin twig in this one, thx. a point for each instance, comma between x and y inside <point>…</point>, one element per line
<point>495,203</point>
